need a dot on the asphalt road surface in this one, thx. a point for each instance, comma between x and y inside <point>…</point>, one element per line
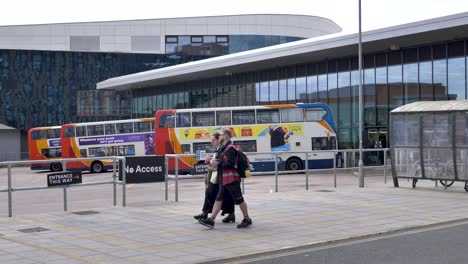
<point>436,244</point>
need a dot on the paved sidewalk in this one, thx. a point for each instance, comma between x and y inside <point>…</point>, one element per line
<point>165,232</point>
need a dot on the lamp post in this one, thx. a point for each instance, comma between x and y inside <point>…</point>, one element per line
<point>361,163</point>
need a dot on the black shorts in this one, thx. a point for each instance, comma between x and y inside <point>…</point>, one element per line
<point>232,189</point>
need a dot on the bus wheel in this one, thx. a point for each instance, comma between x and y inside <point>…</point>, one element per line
<point>97,167</point>
<point>294,164</point>
<point>56,167</point>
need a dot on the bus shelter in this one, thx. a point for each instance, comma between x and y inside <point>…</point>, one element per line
<point>429,140</point>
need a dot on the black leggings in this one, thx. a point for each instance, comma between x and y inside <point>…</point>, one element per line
<point>211,192</point>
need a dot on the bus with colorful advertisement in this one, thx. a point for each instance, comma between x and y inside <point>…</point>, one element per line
<point>287,129</point>
<point>44,144</point>
<point>131,137</point>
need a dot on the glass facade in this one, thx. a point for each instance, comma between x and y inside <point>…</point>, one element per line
<point>45,88</point>
<point>390,79</point>
<point>215,45</point>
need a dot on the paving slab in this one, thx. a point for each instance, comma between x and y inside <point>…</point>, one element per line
<point>165,231</point>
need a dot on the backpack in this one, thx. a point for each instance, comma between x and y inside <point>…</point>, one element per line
<point>242,163</point>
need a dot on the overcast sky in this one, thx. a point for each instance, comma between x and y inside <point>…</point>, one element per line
<point>375,13</point>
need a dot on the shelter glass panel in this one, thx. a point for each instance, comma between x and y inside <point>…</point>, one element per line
<point>405,130</point>
<point>438,163</point>
<point>407,162</point>
<point>437,130</point>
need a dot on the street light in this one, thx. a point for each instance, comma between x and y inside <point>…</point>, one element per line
<point>361,163</point>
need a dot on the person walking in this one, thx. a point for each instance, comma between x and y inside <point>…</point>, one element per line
<point>212,189</point>
<point>229,182</point>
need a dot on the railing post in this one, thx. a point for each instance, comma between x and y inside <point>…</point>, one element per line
<point>114,177</point>
<point>276,172</point>
<point>10,202</point>
<point>334,168</point>
<point>166,178</point>
<point>177,178</point>
<point>307,170</point>
<point>65,198</point>
<point>345,159</point>
<point>124,182</point>
<point>243,187</point>
<point>385,165</point>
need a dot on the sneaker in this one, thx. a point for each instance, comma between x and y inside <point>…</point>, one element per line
<point>245,223</point>
<point>229,218</point>
<point>201,216</point>
<point>208,222</point>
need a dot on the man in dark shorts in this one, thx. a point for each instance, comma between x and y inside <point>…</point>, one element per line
<point>229,181</point>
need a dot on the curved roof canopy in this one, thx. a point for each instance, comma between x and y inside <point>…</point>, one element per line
<point>433,106</point>
<point>448,28</point>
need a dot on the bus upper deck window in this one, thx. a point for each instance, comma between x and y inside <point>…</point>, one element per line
<point>243,117</point>
<point>142,127</point>
<point>69,132</point>
<point>289,115</point>
<point>53,133</point>
<point>80,131</point>
<point>315,114</point>
<point>123,128</point>
<point>166,121</point>
<point>36,135</point>
<point>183,120</point>
<point>203,119</point>
<point>223,118</point>
<point>109,129</point>
<point>266,116</point>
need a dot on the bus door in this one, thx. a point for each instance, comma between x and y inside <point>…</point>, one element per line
<point>322,160</point>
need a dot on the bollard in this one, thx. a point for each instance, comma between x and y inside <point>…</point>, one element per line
<point>124,182</point>
<point>65,198</point>
<point>177,178</point>
<point>114,177</point>
<point>334,169</point>
<point>10,203</point>
<point>385,166</point>
<point>307,170</point>
<point>276,172</point>
<point>166,163</point>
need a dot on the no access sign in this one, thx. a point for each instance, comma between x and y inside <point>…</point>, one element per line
<point>63,178</point>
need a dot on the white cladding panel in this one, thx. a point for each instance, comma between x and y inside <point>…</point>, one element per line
<point>115,36</point>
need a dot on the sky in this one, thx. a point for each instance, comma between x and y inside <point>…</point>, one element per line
<point>375,13</point>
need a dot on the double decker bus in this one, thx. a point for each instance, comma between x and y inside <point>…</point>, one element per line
<point>131,137</point>
<point>287,129</point>
<point>44,144</point>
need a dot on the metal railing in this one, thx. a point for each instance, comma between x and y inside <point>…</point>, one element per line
<point>10,189</point>
<point>275,155</point>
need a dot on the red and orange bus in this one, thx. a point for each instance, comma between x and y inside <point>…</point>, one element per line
<point>44,144</point>
<point>131,137</point>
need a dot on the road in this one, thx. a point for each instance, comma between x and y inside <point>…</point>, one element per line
<point>442,243</point>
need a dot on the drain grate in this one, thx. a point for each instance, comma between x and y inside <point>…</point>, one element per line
<point>33,230</point>
<point>325,191</point>
<point>85,212</point>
